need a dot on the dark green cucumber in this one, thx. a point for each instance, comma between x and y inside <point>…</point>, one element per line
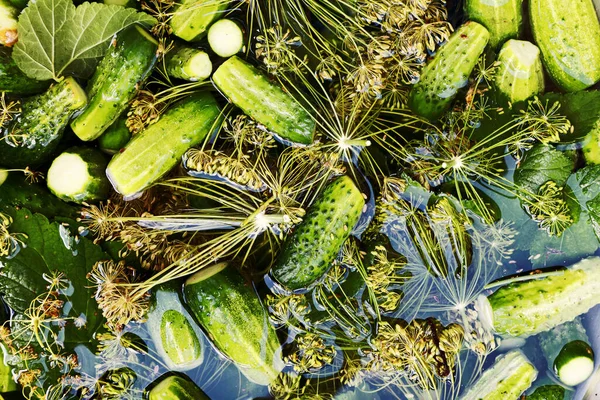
<point>128,62</point>
<point>510,376</point>
<point>529,307</point>
<point>8,23</point>
<point>591,145</point>
<point>78,175</point>
<point>548,391</point>
<point>13,80</point>
<point>225,38</point>
<point>115,137</point>
<point>156,150</point>
<point>568,34</point>
<point>449,71</point>
<point>176,387</point>
<point>520,73</point>
<point>193,17</point>
<point>188,63</point>
<point>232,315</point>
<point>316,242</point>
<point>40,125</point>
<point>176,336</point>
<point>264,101</point>
<point>502,18</point>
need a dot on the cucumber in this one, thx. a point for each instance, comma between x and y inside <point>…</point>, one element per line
<point>568,34</point>
<point>128,62</point>
<point>225,38</point>
<point>530,307</point>
<point>510,376</point>
<point>502,18</point>
<point>188,63</point>
<point>567,350</point>
<point>115,137</point>
<point>316,242</point>
<point>192,18</point>
<point>8,23</point>
<point>7,383</point>
<point>548,392</point>
<point>40,125</point>
<point>77,175</point>
<point>520,73</point>
<point>156,150</point>
<point>13,80</point>
<point>176,387</point>
<point>449,71</point>
<point>232,315</point>
<point>173,331</point>
<point>591,146</point>
<point>249,89</point>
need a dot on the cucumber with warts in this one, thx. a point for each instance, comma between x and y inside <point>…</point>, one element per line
<point>502,18</point>
<point>520,72</point>
<point>449,71</point>
<point>191,19</point>
<point>316,242</point>
<point>232,315</point>
<point>176,387</point>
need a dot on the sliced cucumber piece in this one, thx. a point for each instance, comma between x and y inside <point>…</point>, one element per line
<point>8,23</point>
<point>193,17</point>
<point>226,38</point>
<point>188,63</point>
<point>520,74</point>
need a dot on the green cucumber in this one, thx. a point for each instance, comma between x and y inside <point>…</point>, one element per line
<point>232,315</point>
<point>176,336</point>
<point>530,307</point>
<point>192,18</point>
<point>78,175</point>
<point>225,38</point>
<point>520,73</point>
<point>449,71</point>
<point>8,23</point>
<point>591,146</point>
<point>188,63</point>
<point>568,34</point>
<point>316,242</point>
<point>115,82</point>
<point>548,391</point>
<point>7,383</point>
<point>502,18</point>
<point>510,376</point>
<point>13,80</point>
<point>176,387</point>
<point>40,126</point>
<point>264,101</point>
<point>156,150</point>
<point>115,137</point>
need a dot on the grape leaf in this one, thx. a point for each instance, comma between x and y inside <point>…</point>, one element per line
<point>542,164</point>
<point>57,39</point>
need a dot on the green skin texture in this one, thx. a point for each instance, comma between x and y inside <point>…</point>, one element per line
<point>502,18</point>
<point>178,338</point>
<point>449,71</point>
<point>98,187</point>
<point>591,146</point>
<point>548,392</point>
<point>572,60</point>
<point>232,315</point>
<point>515,80</point>
<point>253,92</point>
<point>44,118</point>
<point>179,66</point>
<point>175,387</point>
<point>316,242</point>
<point>192,18</point>
<point>531,307</point>
<point>156,150</point>
<point>13,80</point>
<point>115,137</point>
<point>115,82</point>
<point>510,376</point>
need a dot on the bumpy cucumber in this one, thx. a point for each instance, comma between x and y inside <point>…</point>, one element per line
<point>8,23</point>
<point>502,18</point>
<point>548,392</point>
<point>128,62</point>
<point>77,175</point>
<point>530,307</point>
<point>568,34</point>
<point>449,71</point>
<point>225,38</point>
<point>591,146</point>
<point>175,334</point>
<point>249,89</point>
<point>188,63</point>
<point>40,126</point>
<point>232,315</point>
<point>176,387</point>
<point>157,149</point>
<point>520,73</point>
<point>510,376</point>
<point>115,137</point>
<point>192,18</point>
<point>13,80</point>
<point>316,242</point>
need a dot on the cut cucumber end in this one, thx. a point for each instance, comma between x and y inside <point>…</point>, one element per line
<point>206,273</point>
<point>3,176</point>
<point>68,175</point>
<point>79,96</point>
<point>575,363</point>
<point>225,38</point>
<point>199,68</point>
<point>526,52</point>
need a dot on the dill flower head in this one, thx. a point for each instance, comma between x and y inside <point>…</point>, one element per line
<point>10,242</point>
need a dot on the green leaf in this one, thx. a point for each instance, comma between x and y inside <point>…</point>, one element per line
<point>57,39</point>
<point>542,164</point>
<point>582,109</point>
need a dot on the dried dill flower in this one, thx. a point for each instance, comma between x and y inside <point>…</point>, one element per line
<point>10,242</point>
<point>276,49</point>
<point>311,353</point>
<point>543,123</point>
<point>550,209</point>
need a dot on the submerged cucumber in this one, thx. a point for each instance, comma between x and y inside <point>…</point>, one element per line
<point>176,387</point>
<point>157,149</point>
<point>249,89</point>
<point>13,80</point>
<point>449,71</point>
<point>502,18</point>
<point>317,240</point>
<point>232,315</point>
<point>568,34</point>
<point>192,18</point>
<point>128,62</point>
<point>226,38</point>
<point>520,73</point>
